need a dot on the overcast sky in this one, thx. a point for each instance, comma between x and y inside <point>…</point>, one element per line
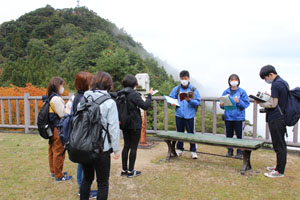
<point>212,39</point>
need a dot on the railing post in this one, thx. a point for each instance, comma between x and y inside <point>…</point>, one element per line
<point>9,112</point>
<point>166,115</point>
<point>155,114</point>
<point>254,120</point>
<point>36,111</point>
<point>26,112</point>
<point>2,112</point>
<point>267,132</point>
<point>18,112</point>
<point>295,130</point>
<point>203,116</point>
<point>214,117</point>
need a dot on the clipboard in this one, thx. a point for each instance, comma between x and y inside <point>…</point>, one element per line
<point>257,98</point>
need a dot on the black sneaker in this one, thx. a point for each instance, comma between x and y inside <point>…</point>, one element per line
<point>229,153</point>
<point>64,178</point>
<point>133,173</point>
<point>239,156</point>
<point>124,173</point>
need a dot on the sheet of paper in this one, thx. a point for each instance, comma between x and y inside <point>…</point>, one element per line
<point>226,100</point>
<point>154,92</point>
<point>171,100</point>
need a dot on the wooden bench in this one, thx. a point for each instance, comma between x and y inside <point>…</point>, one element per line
<point>245,145</point>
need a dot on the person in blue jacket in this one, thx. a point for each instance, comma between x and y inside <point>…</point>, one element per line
<point>185,113</point>
<point>235,118</point>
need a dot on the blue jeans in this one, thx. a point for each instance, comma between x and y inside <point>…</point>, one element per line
<point>234,126</point>
<point>79,176</point>
<point>189,125</point>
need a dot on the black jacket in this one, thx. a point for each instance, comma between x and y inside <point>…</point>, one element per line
<point>76,100</point>
<point>135,102</point>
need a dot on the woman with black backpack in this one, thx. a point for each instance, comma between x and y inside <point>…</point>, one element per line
<point>132,131</point>
<point>56,112</point>
<point>100,86</point>
<point>82,84</point>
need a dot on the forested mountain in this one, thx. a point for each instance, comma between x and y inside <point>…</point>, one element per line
<point>61,42</point>
<point>48,42</point>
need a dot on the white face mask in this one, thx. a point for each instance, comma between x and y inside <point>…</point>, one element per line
<point>184,82</point>
<point>61,90</point>
<point>269,81</point>
<point>234,83</point>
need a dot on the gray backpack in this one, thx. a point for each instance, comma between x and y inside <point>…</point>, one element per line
<point>86,141</point>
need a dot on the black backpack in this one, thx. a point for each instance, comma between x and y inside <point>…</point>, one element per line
<point>123,110</point>
<point>192,90</point>
<point>86,142</point>
<point>291,113</point>
<point>43,119</point>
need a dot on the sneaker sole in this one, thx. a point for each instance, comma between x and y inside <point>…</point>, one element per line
<point>133,176</point>
<point>267,175</point>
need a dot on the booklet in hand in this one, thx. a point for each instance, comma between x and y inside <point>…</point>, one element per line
<point>183,95</point>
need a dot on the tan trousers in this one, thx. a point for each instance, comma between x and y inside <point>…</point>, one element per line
<point>56,159</point>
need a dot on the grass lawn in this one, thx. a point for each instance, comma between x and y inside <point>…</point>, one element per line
<point>24,174</point>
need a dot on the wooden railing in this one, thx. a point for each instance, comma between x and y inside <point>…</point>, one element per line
<point>27,125</point>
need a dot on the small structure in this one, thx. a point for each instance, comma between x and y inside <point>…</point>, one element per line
<point>144,87</point>
<point>143,81</point>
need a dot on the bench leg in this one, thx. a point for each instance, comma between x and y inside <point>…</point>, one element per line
<point>171,149</point>
<point>246,161</point>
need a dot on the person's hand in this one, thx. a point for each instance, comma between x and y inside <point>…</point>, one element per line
<point>187,99</point>
<point>222,104</point>
<point>116,156</point>
<point>236,99</point>
<point>173,104</point>
<point>151,91</point>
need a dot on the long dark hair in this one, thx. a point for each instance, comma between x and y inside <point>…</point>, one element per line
<point>54,84</point>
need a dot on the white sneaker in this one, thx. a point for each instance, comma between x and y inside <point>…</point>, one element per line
<point>270,169</point>
<point>274,174</point>
<point>194,155</point>
<point>179,152</point>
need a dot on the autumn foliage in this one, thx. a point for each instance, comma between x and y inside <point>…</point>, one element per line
<point>19,91</point>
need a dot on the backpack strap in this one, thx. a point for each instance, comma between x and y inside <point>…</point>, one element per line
<point>177,91</point>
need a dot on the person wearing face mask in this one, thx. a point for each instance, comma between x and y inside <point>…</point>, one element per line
<point>274,109</point>
<point>186,112</point>
<point>235,118</point>
<point>57,110</point>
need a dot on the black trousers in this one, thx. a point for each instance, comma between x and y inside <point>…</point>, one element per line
<point>102,168</point>
<point>131,142</point>
<point>234,126</point>
<point>278,130</point>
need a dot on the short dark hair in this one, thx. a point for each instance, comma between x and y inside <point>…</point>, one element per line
<point>184,73</point>
<point>102,81</point>
<point>129,81</point>
<point>83,81</point>
<point>234,76</point>
<point>54,84</point>
<point>266,71</point>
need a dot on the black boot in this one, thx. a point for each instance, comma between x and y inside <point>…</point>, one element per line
<point>239,154</point>
<point>229,153</point>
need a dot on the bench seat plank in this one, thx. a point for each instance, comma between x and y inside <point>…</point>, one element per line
<point>211,140</point>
